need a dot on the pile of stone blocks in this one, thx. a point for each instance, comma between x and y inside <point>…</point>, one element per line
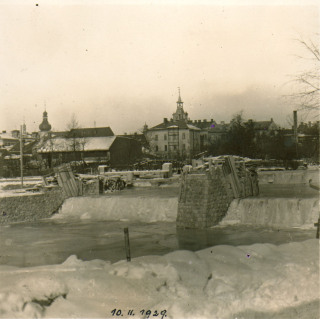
<point>30,207</point>
<point>204,199</point>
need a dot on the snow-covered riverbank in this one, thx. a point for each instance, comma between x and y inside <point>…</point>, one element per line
<point>256,281</point>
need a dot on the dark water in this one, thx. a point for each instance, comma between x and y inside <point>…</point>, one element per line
<point>51,242</point>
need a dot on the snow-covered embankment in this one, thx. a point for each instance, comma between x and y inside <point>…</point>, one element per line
<point>219,282</point>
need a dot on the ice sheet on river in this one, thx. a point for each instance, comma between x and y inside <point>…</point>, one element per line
<point>219,282</point>
<point>143,209</point>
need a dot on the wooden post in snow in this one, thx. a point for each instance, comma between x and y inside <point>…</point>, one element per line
<point>21,155</point>
<point>317,225</point>
<point>127,243</point>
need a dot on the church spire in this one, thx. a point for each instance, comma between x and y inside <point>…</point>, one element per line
<point>179,102</point>
<point>180,114</point>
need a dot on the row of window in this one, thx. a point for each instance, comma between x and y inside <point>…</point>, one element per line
<point>174,136</point>
<point>174,147</point>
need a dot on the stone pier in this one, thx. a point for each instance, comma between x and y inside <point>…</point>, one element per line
<point>204,199</point>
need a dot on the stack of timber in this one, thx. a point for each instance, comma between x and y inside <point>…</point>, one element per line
<point>67,181</point>
<point>240,173</point>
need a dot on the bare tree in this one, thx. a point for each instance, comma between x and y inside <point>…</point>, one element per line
<point>308,81</point>
<point>77,143</point>
<point>73,123</point>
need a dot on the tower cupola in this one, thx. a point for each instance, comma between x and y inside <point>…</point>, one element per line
<point>45,125</point>
<point>180,114</point>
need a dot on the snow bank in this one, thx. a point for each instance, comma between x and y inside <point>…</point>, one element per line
<point>218,282</point>
<point>288,177</point>
<point>140,208</point>
<point>277,212</point>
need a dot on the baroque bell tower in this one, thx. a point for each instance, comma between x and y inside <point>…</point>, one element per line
<point>180,114</point>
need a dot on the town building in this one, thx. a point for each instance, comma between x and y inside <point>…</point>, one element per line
<point>181,136</point>
<point>7,140</point>
<point>91,147</point>
<point>176,137</point>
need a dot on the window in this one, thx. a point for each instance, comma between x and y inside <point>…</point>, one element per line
<point>156,137</point>
<point>165,137</point>
<point>157,148</point>
<point>183,146</point>
<point>166,148</point>
<point>183,136</point>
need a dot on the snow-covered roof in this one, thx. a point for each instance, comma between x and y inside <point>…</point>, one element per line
<point>6,136</point>
<point>63,144</point>
<point>192,127</point>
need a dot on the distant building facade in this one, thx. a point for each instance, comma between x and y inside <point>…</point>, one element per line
<point>175,137</point>
<point>90,146</point>
<point>185,137</point>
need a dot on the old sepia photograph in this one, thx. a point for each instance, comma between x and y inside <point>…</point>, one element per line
<point>159,159</point>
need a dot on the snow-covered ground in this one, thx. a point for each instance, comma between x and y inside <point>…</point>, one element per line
<point>257,281</point>
<point>21,191</point>
<point>245,282</point>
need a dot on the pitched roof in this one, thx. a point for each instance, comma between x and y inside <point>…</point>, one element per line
<point>203,124</point>
<point>219,128</point>
<point>139,137</point>
<point>174,124</point>
<point>91,132</point>
<point>27,147</point>
<point>6,136</point>
<point>263,125</point>
<point>62,144</point>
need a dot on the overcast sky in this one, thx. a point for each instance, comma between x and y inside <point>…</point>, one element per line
<point>120,65</point>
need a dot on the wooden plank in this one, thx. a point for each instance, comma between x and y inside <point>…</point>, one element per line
<point>61,184</point>
<point>236,186</point>
<point>234,171</point>
<point>61,171</point>
<point>68,181</point>
<point>72,181</point>
<point>44,181</point>
<point>65,184</point>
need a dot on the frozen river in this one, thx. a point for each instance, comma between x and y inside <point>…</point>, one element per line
<point>52,241</point>
<point>240,275</point>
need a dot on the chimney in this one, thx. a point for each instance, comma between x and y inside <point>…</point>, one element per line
<point>165,120</point>
<point>271,120</point>
<point>205,121</point>
<point>295,125</point>
<point>4,132</point>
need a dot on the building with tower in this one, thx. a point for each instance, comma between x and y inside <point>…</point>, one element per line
<point>45,126</point>
<point>89,147</point>
<point>180,114</point>
<point>182,137</point>
<point>177,137</point>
